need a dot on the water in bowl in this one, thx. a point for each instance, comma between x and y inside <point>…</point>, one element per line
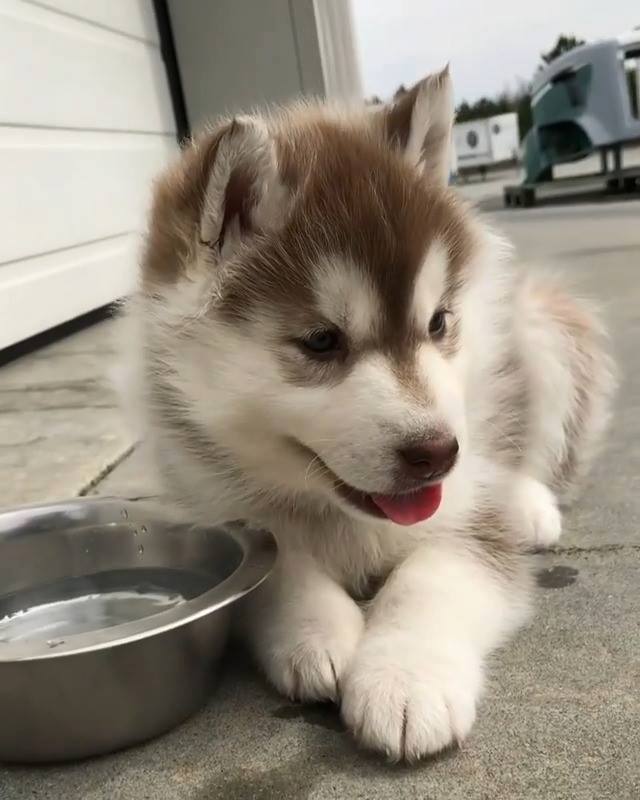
<point>94,602</point>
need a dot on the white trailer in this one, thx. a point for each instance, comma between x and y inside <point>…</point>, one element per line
<point>488,142</point>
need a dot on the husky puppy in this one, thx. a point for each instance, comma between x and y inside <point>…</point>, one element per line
<point>329,343</point>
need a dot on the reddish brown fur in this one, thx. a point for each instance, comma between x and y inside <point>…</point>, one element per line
<point>355,200</point>
<point>175,213</point>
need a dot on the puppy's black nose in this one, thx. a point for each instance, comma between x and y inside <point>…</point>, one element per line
<point>430,457</point>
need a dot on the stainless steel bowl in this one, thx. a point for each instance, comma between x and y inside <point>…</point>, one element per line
<point>112,618</point>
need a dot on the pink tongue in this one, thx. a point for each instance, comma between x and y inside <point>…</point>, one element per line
<point>407,509</point>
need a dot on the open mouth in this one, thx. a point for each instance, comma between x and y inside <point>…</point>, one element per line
<point>404,508</point>
<point>407,508</point>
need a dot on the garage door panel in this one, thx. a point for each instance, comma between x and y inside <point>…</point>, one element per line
<point>130,17</point>
<point>61,188</point>
<point>59,71</point>
<point>56,287</point>
<point>86,123</point>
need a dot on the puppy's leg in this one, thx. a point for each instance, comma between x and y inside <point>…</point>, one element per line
<point>570,383</point>
<point>534,512</point>
<point>304,629</point>
<point>413,685</point>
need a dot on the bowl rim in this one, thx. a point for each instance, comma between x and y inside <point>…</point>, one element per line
<point>259,553</point>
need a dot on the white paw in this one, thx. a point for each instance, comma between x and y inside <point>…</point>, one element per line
<point>536,516</point>
<point>407,701</point>
<point>307,661</point>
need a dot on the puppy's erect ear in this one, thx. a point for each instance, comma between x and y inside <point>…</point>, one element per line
<point>244,194</point>
<point>420,122</point>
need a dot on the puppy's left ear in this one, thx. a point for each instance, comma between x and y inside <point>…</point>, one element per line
<point>420,123</point>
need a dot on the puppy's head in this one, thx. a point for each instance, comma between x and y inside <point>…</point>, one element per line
<point>303,281</point>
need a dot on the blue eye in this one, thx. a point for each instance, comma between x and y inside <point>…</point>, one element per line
<point>324,343</point>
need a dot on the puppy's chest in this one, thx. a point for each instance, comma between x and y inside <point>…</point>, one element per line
<point>358,556</point>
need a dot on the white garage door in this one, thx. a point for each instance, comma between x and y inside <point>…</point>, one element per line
<point>85,123</point>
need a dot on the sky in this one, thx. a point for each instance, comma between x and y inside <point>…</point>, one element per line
<point>490,44</point>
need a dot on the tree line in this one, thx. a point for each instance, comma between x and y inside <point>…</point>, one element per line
<point>518,100</point>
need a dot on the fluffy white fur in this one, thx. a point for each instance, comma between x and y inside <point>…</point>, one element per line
<point>407,666</point>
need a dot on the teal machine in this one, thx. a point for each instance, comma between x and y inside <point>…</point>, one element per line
<point>585,101</point>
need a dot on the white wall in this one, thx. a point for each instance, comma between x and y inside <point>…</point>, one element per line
<point>505,141</point>
<point>237,54</point>
<point>85,123</point>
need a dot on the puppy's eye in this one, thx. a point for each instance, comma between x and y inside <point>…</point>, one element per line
<point>438,324</point>
<point>325,343</point>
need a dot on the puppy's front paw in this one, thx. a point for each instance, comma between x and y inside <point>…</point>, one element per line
<point>536,516</point>
<point>409,700</point>
<point>306,662</point>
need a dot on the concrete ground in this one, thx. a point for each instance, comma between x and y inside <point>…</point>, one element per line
<point>561,717</point>
<point>60,425</point>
